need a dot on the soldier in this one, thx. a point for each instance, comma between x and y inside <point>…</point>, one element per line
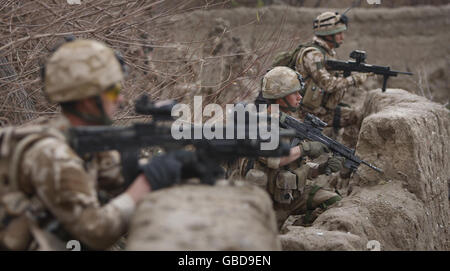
<point>52,195</point>
<point>325,90</point>
<point>289,179</point>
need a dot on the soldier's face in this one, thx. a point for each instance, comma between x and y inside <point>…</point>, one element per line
<point>339,38</point>
<point>293,99</point>
<point>110,105</point>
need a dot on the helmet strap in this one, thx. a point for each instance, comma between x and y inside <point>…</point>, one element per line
<point>289,107</point>
<point>105,119</point>
<point>333,40</point>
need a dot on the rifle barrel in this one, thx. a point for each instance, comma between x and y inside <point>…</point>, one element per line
<point>372,166</point>
<point>407,73</point>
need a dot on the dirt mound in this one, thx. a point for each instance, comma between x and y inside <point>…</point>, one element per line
<point>313,239</point>
<point>194,217</point>
<point>407,208</point>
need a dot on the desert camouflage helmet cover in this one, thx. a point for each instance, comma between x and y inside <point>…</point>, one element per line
<point>329,23</point>
<point>280,82</point>
<point>81,69</point>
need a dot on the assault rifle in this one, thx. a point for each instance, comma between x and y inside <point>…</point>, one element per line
<point>359,65</point>
<point>130,139</point>
<point>311,129</point>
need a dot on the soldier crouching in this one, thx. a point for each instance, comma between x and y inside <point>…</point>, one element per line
<point>289,179</point>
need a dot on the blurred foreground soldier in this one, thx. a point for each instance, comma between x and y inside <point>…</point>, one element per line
<point>288,179</point>
<point>49,194</point>
<point>325,90</point>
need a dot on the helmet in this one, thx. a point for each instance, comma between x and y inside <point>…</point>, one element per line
<point>80,69</point>
<point>280,82</point>
<point>329,23</point>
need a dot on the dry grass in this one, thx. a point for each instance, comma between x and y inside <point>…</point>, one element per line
<point>31,30</point>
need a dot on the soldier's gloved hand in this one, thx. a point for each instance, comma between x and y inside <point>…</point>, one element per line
<point>334,164</point>
<point>359,78</point>
<point>188,162</point>
<point>313,149</point>
<point>193,168</point>
<point>163,171</point>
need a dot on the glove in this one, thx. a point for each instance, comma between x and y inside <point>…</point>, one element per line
<point>188,162</point>
<point>168,169</point>
<point>359,78</point>
<point>208,171</point>
<point>313,149</point>
<point>334,164</point>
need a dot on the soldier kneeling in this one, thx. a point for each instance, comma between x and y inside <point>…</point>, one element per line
<point>289,179</point>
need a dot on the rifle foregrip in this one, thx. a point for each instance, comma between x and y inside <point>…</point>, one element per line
<point>385,78</point>
<point>130,165</point>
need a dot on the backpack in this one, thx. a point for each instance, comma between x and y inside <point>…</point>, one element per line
<point>289,58</point>
<point>14,141</point>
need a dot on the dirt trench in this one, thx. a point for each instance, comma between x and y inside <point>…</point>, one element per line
<point>405,132</point>
<point>227,216</point>
<point>407,208</point>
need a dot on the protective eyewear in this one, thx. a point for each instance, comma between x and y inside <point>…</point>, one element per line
<point>113,92</point>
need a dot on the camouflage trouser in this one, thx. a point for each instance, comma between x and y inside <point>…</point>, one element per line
<point>312,198</point>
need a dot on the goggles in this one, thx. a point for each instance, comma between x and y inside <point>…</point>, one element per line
<point>113,92</point>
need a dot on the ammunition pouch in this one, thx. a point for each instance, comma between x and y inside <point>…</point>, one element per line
<point>302,175</point>
<point>285,185</point>
<point>314,96</point>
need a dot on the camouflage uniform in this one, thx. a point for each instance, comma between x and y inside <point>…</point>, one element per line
<point>48,194</point>
<point>328,89</point>
<point>290,186</point>
<point>64,191</point>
